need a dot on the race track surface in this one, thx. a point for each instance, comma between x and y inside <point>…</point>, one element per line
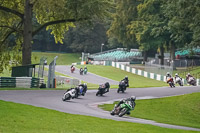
<point>87,105</point>
<point>89,77</point>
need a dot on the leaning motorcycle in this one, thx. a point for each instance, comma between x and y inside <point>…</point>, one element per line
<point>102,90</point>
<point>170,81</point>
<point>179,81</point>
<point>69,94</point>
<point>192,81</point>
<point>80,91</point>
<point>122,87</point>
<point>123,109</point>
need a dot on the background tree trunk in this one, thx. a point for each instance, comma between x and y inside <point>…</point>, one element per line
<point>27,34</point>
<point>144,56</point>
<point>162,55</point>
<point>172,51</point>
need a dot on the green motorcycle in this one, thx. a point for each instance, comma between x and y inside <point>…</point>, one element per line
<point>123,109</point>
<point>85,71</point>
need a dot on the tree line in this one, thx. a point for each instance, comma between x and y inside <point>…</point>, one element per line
<point>83,25</point>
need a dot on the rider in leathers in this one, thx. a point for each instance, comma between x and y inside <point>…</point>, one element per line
<point>132,99</point>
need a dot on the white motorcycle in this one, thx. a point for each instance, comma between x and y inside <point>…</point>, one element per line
<point>71,93</point>
<point>179,81</point>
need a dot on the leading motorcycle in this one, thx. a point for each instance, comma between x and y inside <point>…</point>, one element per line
<point>122,109</point>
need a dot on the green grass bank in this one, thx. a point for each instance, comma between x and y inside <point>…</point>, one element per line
<point>178,110</point>
<point>21,118</point>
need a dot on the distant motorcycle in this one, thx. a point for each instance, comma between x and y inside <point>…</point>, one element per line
<point>122,109</point>
<point>72,69</point>
<point>85,71</point>
<point>170,81</point>
<point>81,71</point>
<point>191,81</point>
<point>102,90</point>
<point>69,94</point>
<point>122,86</point>
<point>179,81</point>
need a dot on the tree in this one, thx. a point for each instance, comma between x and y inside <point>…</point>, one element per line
<point>126,11</point>
<point>17,19</point>
<point>87,38</point>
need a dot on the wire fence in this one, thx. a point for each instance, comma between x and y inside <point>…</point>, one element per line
<point>158,69</point>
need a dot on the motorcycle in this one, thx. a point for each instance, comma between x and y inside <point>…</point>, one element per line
<point>102,90</point>
<point>81,71</point>
<point>192,81</point>
<point>170,81</point>
<point>80,91</point>
<point>69,94</point>
<point>85,71</point>
<point>179,81</point>
<point>72,69</point>
<point>122,86</point>
<point>123,109</point>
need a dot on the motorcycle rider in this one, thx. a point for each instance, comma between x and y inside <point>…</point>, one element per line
<point>131,99</point>
<point>84,85</point>
<point>126,81</point>
<point>177,76</point>
<point>81,70</point>
<point>168,75</point>
<point>85,68</point>
<point>107,86</point>
<point>188,76</point>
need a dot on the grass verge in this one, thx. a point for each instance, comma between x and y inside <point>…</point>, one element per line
<point>25,118</point>
<point>135,81</point>
<point>179,110</point>
<point>63,58</point>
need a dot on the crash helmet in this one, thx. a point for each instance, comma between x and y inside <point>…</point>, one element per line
<point>85,67</point>
<point>168,74</point>
<point>176,74</point>
<point>126,77</point>
<point>133,98</point>
<point>188,74</point>
<point>85,84</point>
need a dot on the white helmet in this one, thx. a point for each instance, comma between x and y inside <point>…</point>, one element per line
<point>168,73</point>
<point>176,74</point>
<point>133,98</point>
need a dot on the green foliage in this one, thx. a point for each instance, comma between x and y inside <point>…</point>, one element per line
<point>126,11</point>
<point>58,16</point>
<point>179,110</point>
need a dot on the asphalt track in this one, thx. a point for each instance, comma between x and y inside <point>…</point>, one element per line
<point>89,77</point>
<point>87,105</point>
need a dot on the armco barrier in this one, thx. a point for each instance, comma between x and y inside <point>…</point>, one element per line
<point>144,73</point>
<point>20,82</point>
